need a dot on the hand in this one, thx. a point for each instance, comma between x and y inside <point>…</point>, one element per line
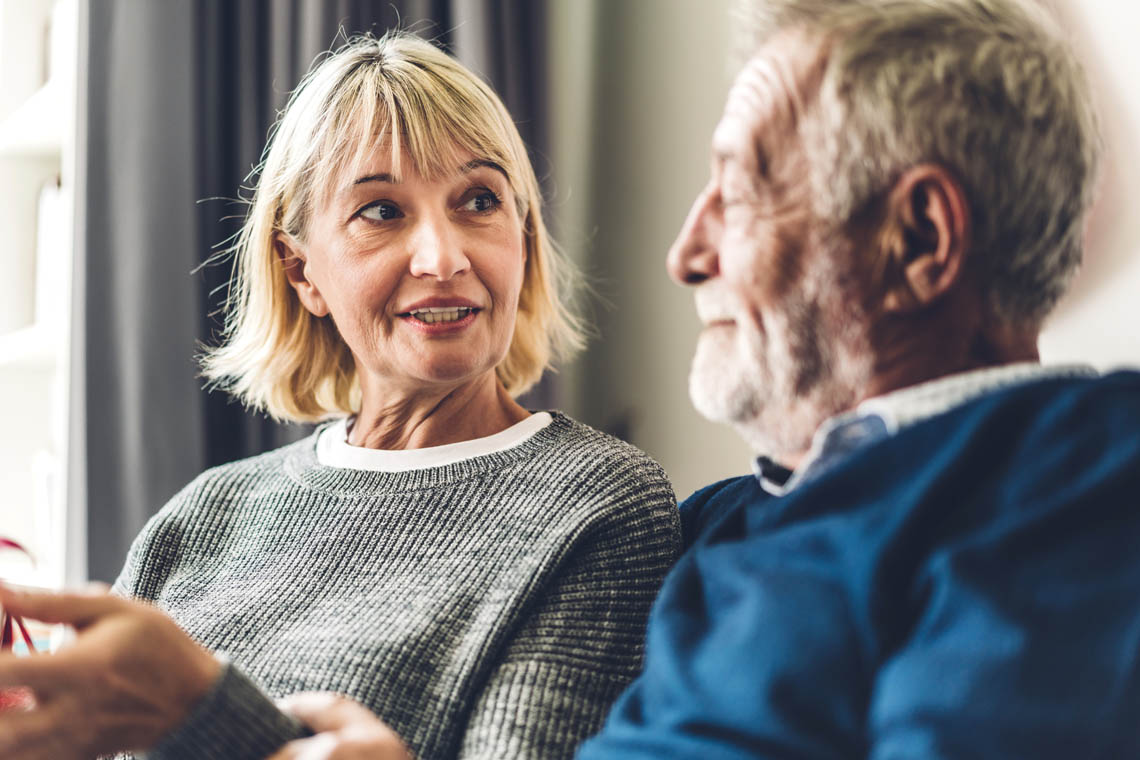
<point>345,730</point>
<point>129,678</point>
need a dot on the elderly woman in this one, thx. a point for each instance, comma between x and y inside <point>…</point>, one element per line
<point>475,574</point>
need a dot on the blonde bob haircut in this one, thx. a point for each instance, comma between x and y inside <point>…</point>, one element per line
<point>403,94</point>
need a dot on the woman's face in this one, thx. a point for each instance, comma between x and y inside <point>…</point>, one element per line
<point>421,277</point>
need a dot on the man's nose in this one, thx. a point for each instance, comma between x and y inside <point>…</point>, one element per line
<point>437,250</point>
<point>694,256</point>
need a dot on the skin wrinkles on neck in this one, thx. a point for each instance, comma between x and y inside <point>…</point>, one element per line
<point>435,416</point>
<point>948,338</point>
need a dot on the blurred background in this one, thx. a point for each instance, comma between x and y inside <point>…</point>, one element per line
<point>125,125</point>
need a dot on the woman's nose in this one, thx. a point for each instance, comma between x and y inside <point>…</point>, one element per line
<point>437,251</point>
<point>695,255</point>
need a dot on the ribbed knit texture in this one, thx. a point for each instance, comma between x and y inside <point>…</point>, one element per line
<point>236,697</point>
<point>492,608</point>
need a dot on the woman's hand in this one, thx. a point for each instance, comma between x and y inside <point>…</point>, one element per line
<point>345,730</point>
<point>130,677</point>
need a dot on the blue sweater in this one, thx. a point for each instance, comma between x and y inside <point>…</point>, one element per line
<point>966,588</point>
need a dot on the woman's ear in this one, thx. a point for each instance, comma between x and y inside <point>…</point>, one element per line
<point>924,239</point>
<point>294,260</point>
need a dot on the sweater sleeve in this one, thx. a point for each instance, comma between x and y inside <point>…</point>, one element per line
<point>582,643</point>
<point>236,721</point>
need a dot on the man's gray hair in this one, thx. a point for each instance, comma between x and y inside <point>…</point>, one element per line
<point>990,90</point>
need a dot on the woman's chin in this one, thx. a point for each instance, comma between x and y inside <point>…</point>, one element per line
<point>448,372</point>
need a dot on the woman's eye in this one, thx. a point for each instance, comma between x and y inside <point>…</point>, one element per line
<point>381,211</point>
<point>482,202</point>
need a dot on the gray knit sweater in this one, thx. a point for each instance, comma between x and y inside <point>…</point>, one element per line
<point>491,608</point>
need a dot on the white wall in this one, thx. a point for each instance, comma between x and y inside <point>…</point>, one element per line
<point>1099,320</point>
<point>639,86</point>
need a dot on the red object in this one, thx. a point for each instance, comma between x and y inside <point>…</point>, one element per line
<point>10,625</point>
<point>16,699</point>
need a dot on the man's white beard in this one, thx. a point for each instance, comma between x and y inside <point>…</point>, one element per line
<point>776,386</point>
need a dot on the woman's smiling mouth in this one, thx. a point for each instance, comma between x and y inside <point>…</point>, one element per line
<point>435,314</point>
<point>435,320</point>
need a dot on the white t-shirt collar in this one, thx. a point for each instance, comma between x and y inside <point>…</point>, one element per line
<point>334,450</point>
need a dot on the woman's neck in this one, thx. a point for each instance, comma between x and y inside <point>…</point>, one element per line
<point>434,417</point>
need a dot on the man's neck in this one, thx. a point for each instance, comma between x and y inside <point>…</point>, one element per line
<point>905,370</point>
<point>885,415</point>
<point>947,344</point>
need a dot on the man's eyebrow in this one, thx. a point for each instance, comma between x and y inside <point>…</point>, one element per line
<point>724,156</point>
<point>762,169</point>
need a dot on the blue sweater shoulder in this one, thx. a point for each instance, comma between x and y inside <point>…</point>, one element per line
<point>965,588</point>
<point>708,506</point>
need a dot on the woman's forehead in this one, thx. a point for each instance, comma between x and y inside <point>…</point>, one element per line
<point>381,156</point>
<point>378,161</point>
<point>382,164</point>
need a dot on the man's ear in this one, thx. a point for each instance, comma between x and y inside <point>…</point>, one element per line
<point>295,262</point>
<point>924,239</point>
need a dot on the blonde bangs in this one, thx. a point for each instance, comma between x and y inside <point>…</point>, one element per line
<point>398,106</point>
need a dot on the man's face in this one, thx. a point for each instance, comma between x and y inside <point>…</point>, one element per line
<point>780,347</point>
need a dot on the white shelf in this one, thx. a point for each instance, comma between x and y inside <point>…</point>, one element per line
<point>33,348</point>
<point>36,127</point>
<point>18,570</point>
<point>39,44</point>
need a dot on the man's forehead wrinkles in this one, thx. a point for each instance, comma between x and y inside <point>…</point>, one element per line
<point>753,107</point>
<point>751,91</point>
<point>772,87</point>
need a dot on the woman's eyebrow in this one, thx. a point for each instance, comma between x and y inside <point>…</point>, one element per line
<point>385,177</point>
<point>477,163</point>
<point>467,168</point>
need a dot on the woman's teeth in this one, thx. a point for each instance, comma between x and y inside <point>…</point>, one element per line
<point>433,314</point>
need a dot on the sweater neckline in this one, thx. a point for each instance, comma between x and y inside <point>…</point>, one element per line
<point>334,450</point>
<point>303,467</point>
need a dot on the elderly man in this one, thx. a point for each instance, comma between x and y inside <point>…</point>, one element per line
<point>937,556</point>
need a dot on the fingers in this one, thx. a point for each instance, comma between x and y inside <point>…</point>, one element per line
<point>345,730</point>
<point>336,747</point>
<point>325,711</point>
<point>40,672</point>
<point>319,747</point>
<point>28,734</point>
<point>77,609</point>
<point>130,677</point>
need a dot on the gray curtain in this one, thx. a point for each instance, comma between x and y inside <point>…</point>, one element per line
<point>175,103</point>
